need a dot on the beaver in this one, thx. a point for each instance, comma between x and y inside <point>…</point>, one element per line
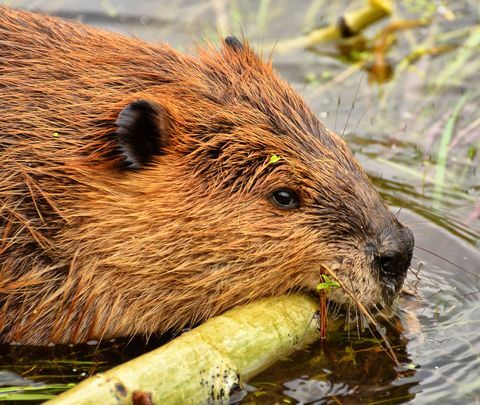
<point>144,190</point>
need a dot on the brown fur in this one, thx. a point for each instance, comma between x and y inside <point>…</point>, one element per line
<point>91,250</point>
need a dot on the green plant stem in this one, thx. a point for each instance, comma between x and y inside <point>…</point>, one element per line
<point>447,134</point>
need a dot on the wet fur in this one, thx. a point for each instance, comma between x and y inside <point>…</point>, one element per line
<point>91,247</point>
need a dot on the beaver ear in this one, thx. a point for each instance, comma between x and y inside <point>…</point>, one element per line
<point>142,132</point>
<point>233,46</point>
<point>233,43</point>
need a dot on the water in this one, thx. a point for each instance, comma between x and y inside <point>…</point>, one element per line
<point>396,130</point>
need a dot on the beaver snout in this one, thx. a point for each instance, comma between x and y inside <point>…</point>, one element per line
<point>394,256</point>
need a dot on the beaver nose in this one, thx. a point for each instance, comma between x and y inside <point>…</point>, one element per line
<point>393,262</point>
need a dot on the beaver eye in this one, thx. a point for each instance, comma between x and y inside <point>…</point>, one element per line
<point>285,198</point>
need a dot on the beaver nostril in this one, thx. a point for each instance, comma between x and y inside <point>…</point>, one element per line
<point>390,265</point>
<point>395,262</point>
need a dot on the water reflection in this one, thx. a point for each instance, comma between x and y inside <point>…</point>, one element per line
<point>347,368</point>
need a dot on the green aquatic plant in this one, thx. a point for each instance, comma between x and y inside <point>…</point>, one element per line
<point>327,284</point>
<point>447,135</point>
<point>274,159</point>
<point>38,392</point>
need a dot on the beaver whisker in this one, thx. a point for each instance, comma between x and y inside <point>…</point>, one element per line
<point>380,308</point>
<point>355,318</point>
<point>364,322</point>
<point>348,320</point>
<point>353,103</point>
<point>448,261</point>
<point>365,313</point>
<point>336,312</point>
<point>399,211</point>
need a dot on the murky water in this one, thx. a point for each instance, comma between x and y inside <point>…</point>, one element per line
<point>399,132</point>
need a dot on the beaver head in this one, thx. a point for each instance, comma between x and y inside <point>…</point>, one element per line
<point>241,193</point>
<point>177,188</point>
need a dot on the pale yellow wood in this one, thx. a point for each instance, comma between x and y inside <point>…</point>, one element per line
<point>207,363</point>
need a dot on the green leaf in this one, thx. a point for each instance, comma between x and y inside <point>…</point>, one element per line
<point>274,159</point>
<point>327,284</point>
<point>471,152</point>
